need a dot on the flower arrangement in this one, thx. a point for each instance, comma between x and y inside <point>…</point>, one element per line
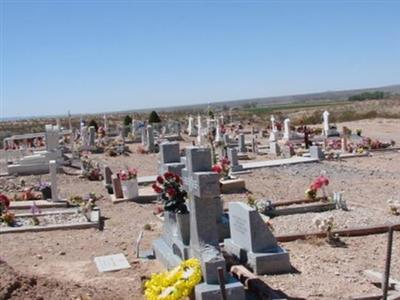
<point>326,225</point>
<point>172,194</point>
<point>222,168</point>
<point>394,206</point>
<point>8,217</point>
<point>85,203</point>
<point>90,169</point>
<point>319,183</point>
<point>130,173</point>
<point>175,284</point>
<point>4,203</point>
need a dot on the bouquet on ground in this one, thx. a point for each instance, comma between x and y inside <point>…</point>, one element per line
<point>129,174</point>
<point>169,186</point>
<point>85,203</point>
<point>319,183</point>
<point>90,169</point>
<point>223,167</point>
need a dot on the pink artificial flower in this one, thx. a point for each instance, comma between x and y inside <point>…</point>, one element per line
<point>133,172</point>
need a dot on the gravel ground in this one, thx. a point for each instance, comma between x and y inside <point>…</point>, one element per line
<point>64,259</point>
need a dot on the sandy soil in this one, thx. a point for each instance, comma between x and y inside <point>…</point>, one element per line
<point>61,262</point>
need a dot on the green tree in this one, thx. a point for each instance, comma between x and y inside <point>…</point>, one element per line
<point>154,118</point>
<point>211,113</point>
<point>127,120</point>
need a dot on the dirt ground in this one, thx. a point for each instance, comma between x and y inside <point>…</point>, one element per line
<point>59,264</point>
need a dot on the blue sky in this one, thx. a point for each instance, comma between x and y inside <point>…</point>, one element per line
<point>93,56</point>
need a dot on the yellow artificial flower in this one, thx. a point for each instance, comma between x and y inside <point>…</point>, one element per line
<point>175,284</point>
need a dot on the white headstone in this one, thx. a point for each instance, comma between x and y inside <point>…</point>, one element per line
<point>217,131</point>
<point>190,126</point>
<point>273,124</point>
<point>105,123</point>
<point>286,134</point>
<point>200,138</point>
<point>325,116</point>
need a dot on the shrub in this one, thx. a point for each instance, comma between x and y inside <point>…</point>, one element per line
<point>154,118</point>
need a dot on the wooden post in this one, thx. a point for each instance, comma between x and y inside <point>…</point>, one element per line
<point>221,279</point>
<point>387,263</point>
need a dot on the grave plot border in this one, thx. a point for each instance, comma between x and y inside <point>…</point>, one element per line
<point>83,225</point>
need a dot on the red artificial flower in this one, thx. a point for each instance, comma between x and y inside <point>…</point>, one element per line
<point>156,188</point>
<point>217,169</point>
<point>177,178</point>
<point>168,175</point>
<point>4,199</point>
<point>171,192</point>
<point>160,180</point>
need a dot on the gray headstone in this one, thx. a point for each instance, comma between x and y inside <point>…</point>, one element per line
<point>92,136</point>
<point>198,159</point>
<point>242,143</point>
<point>107,175</point>
<point>316,152</point>
<point>253,243</point>
<point>169,153</point>
<point>233,156</point>
<point>150,138</point>
<point>248,230</point>
<point>226,139</point>
<point>274,148</point>
<point>143,136</point>
<point>287,151</point>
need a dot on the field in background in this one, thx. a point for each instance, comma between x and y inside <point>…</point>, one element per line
<point>300,113</point>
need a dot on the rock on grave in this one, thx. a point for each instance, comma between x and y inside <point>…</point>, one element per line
<point>253,243</point>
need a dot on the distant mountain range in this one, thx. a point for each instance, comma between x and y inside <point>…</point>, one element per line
<point>263,101</point>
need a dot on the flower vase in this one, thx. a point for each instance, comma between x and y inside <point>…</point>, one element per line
<point>183,227</point>
<point>130,188</point>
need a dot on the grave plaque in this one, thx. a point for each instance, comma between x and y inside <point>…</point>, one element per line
<point>111,262</point>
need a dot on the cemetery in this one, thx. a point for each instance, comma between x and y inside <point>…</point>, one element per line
<point>206,207</point>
